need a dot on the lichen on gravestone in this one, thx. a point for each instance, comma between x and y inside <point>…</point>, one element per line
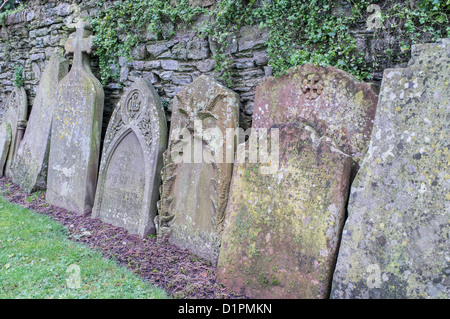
<point>395,240</point>
<point>194,190</point>
<point>31,162</point>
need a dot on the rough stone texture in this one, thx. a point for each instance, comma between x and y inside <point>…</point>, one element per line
<point>331,100</point>
<point>5,142</point>
<point>75,137</point>
<point>31,162</point>
<point>16,113</point>
<point>395,242</point>
<point>129,177</point>
<point>194,194</point>
<point>282,230</point>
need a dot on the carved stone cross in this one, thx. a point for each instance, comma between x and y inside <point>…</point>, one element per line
<point>81,43</point>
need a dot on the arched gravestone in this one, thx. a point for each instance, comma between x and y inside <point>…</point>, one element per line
<point>129,177</point>
<point>76,126</point>
<point>31,162</point>
<point>395,242</point>
<point>194,190</point>
<point>14,122</point>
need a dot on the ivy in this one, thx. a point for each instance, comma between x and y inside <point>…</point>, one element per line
<point>18,76</point>
<point>300,31</point>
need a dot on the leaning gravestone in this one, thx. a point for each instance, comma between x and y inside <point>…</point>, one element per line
<point>395,242</point>
<point>14,118</point>
<point>282,230</point>
<point>195,186</point>
<point>129,177</point>
<point>76,127</point>
<point>331,100</point>
<point>5,142</point>
<point>31,162</point>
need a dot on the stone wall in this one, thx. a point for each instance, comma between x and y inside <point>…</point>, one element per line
<point>29,38</point>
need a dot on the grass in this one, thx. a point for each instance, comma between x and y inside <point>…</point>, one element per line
<point>35,255</point>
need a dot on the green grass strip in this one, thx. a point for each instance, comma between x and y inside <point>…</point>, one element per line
<point>38,261</point>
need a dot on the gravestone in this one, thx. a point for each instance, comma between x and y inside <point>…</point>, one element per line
<point>31,162</point>
<point>5,142</point>
<point>129,177</point>
<point>329,99</point>
<point>395,242</point>
<point>194,188</point>
<point>76,127</point>
<point>282,230</point>
<point>14,120</point>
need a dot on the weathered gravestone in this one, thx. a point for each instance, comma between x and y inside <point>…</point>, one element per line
<point>198,167</point>
<point>129,177</point>
<point>329,99</point>
<point>282,230</point>
<point>395,242</point>
<point>5,142</point>
<point>31,161</point>
<point>13,124</point>
<point>76,127</point>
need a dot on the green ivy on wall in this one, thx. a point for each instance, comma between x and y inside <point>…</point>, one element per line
<point>300,31</point>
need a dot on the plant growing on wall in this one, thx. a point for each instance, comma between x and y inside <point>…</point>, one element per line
<point>18,76</point>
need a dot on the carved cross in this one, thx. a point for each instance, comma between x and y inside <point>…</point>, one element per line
<point>80,43</point>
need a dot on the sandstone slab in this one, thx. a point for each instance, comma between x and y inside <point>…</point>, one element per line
<point>129,177</point>
<point>31,162</point>
<point>282,230</point>
<point>194,188</point>
<point>395,242</point>
<point>329,99</point>
<point>15,116</point>
<point>76,127</point>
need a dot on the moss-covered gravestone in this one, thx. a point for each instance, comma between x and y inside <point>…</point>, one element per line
<point>197,167</point>
<point>129,177</point>
<point>395,242</point>
<point>282,230</point>
<point>31,161</point>
<point>13,124</point>
<point>76,126</point>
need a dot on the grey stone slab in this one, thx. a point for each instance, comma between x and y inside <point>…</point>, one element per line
<point>16,111</point>
<point>395,242</point>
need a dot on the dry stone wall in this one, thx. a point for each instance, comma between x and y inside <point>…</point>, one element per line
<point>31,36</point>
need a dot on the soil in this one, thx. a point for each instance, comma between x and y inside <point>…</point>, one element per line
<point>177,271</point>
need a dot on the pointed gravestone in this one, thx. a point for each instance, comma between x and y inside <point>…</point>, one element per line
<point>395,242</point>
<point>282,230</point>
<point>329,99</point>
<point>129,177</point>
<point>11,129</point>
<point>76,127</point>
<point>31,162</point>
<point>196,174</point>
